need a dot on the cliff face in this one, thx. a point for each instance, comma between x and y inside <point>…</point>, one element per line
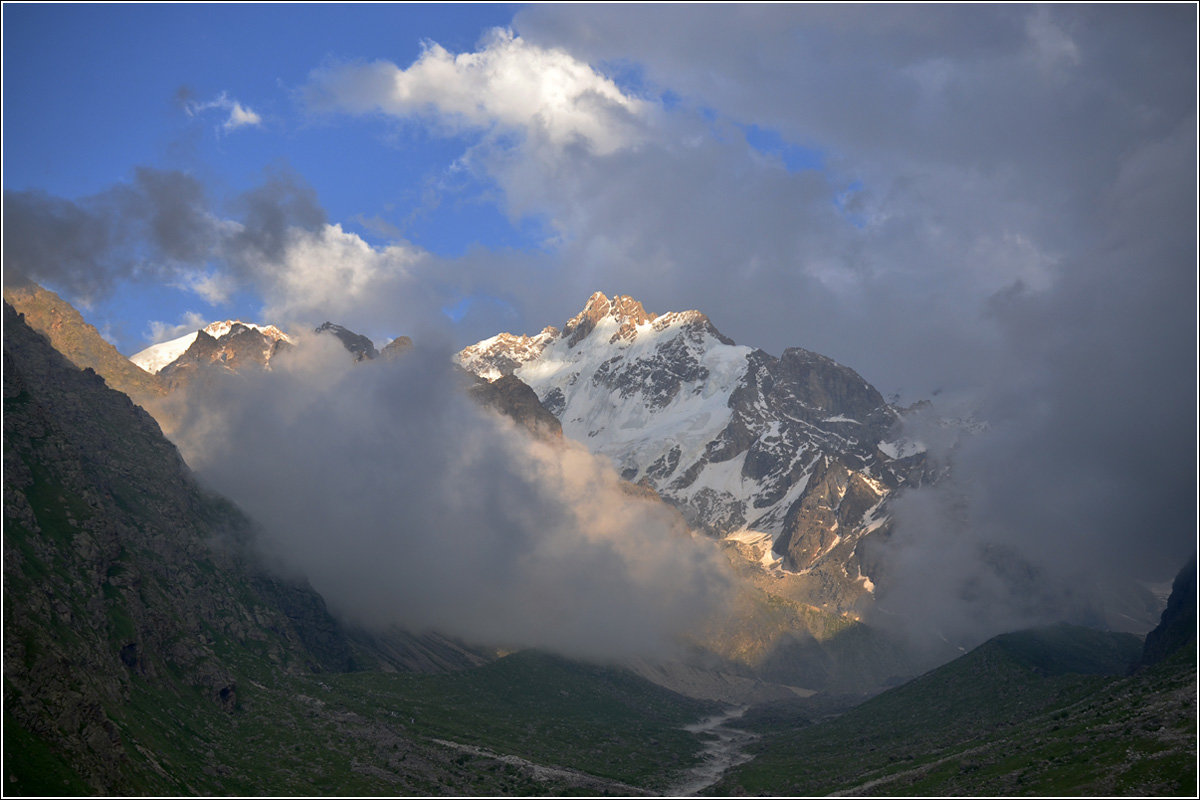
<point>511,397</point>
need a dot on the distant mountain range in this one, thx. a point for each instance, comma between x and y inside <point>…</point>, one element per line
<point>793,460</point>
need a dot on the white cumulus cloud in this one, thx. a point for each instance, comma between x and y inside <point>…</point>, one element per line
<point>508,85</point>
<point>164,331</point>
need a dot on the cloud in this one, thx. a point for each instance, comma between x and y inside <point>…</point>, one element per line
<point>330,273</point>
<point>239,116</point>
<point>164,331</point>
<point>1085,477</point>
<point>507,86</point>
<point>1052,47</point>
<point>162,227</point>
<point>1023,234</point>
<point>151,228</point>
<point>405,504</point>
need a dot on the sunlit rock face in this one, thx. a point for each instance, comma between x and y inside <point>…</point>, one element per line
<point>796,447</point>
<point>235,346</point>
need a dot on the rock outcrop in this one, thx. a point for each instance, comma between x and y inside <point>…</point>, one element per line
<point>81,343</point>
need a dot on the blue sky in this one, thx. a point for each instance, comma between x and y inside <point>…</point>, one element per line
<point>92,91</point>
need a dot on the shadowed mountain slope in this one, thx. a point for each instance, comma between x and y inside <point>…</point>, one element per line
<point>1047,711</point>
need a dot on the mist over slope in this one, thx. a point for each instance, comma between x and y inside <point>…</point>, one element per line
<point>406,504</point>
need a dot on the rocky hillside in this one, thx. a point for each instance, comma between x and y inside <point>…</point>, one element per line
<point>1176,628</point>
<point>82,344</point>
<point>359,346</point>
<point>514,399</point>
<point>791,455</point>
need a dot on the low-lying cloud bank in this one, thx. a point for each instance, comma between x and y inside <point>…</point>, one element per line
<point>405,504</point>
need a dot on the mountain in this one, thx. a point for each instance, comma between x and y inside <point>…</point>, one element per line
<point>230,345</point>
<point>1042,712</point>
<point>119,570</point>
<point>234,345</point>
<point>516,400</point>
<point>235,335</point>
<point>1177,627</point>
<point>396,347</point>
<point>81,343</point>
<point>794,451</point>
<point>360,346</point>
<point>147,653</point>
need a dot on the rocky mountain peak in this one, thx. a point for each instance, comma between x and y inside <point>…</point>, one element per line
<point>627,311</point>
<point>793,450</point>
<point>229,345</point>
<point>223,328</point>
<point>360,346</point>
<point>504,353</point>
<point>396,347</point>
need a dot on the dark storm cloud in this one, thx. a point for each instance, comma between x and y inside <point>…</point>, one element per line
<point>1086,475</point>
<point>55,240</point>
<point>404,504</point>
<point>157,226</point>
<point>171,209</point>
<point>269,211</point>
<point>148,227</point>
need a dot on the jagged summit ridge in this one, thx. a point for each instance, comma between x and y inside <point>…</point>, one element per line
<point>620,318</point>
<point>628,312</point>
<point>359,346</point>
<point>156,357</point>
<point>234,344</point>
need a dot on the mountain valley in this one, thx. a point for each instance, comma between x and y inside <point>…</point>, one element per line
<point>149,649</point>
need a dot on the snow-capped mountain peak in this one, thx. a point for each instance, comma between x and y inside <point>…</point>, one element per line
<point>737,439</point>
<point>157,357</point>
<point>622,309</point>
<point>222,328</point>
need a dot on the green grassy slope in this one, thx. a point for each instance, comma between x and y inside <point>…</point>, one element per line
<point>1025,713</point>
<point>603,721</point>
